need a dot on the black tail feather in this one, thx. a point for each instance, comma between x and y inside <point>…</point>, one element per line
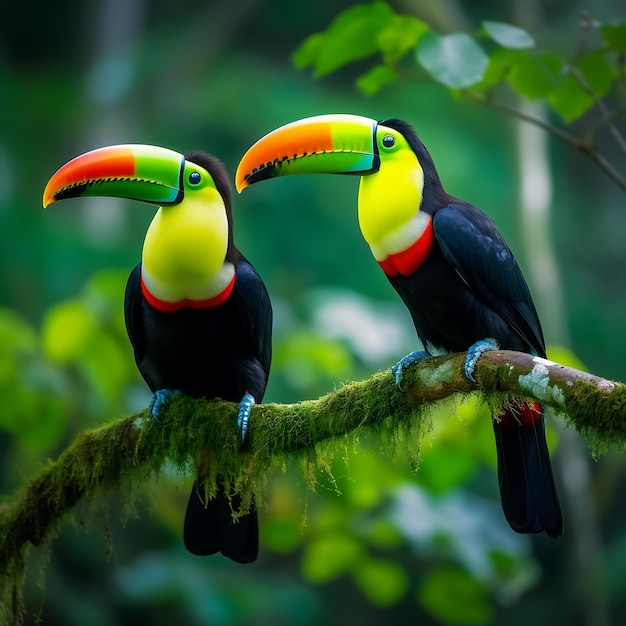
<point>209,528</point>
<point>527,489</point>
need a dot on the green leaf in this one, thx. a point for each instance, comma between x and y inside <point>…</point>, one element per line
<point>67,328</point>
<point>401,34</point>
<point>106,365</point>
<point>16,336</point>
<point>592,73</point>
<point>501,60</point>
<point>73,335</point>
<point>308,51</point>
<point>384,582</point>
<point>452,596</point>
<point>34,417</point>
<point>509,36</point>
<point>30,409</point>
<point>283,535</point>
<point>535,76</point>
<point>353,35</point>
<point>375,79</point>
<point>375,480</point>
<point>445,467</point>
<point>456,60</point>
<point>330,556</point>
<point>569,100</point>
<point>598,72</point>
<point>614,36</point>
<point>382,533</point>
<point>305,357</point>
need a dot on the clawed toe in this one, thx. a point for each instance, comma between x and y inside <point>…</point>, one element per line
<point>243,415</point>
<point>397,369</point>
<point>474,352</point>
<point>159,399</point>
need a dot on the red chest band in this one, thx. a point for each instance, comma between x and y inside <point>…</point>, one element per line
<point>408,261</point>
<point>171,307</point>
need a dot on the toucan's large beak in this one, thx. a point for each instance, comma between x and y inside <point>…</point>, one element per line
<point>134,171</point>
<point>325,144</point>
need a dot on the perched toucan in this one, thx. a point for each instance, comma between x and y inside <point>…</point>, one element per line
<point>449,264</point>
<point>197,313</point>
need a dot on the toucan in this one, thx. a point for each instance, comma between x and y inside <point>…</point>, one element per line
<point>198,315</point>
<point>448,263</point>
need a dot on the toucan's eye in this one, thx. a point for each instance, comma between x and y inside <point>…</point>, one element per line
<point>389,141</point>
<point>194,178</point>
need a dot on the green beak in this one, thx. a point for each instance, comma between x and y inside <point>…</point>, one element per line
<point>134,171</point>
<point>324,144</point>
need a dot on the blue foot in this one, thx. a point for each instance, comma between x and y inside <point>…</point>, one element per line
<point>396,370</point>
<point>473,352</point>
<point>159,398</point>
<point>243,416</point>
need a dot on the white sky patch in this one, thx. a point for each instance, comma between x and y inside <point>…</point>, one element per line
<point>375,331</point>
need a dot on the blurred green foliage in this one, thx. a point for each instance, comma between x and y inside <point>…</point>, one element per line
<point>459,61</point>
<point>376,542</point>
<point>33,409</point>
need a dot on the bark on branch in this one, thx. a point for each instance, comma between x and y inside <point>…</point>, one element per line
<point>127,451</point>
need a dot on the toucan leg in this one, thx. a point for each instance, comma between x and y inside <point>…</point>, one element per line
<point>396,370</point>
<point>159,398</point>
<point>243,415</point>
<point>473,352</point>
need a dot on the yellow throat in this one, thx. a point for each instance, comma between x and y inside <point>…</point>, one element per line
<point>185,248</point>
<point>389,203</point>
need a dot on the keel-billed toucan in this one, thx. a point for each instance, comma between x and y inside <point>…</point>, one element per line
<point>197,313</point>
<point>448,263</point>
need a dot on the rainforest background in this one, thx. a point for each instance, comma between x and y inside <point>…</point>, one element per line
<point>375,542</point>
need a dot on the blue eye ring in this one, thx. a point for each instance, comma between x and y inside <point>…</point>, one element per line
<point>388,141</point>
<point>194,178</point>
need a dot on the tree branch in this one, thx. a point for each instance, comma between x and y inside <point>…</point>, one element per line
<point>586,87</point>
<point>567,138</point>
<point>574,142</point>
<point>609,119</point>
<point>127,451</point>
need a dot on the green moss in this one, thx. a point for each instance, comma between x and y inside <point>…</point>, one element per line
<point>12,577</point>
<point>198,433</point>
<point>598,415</point>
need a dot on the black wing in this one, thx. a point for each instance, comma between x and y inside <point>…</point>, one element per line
<point>471,243</point>
<point>255,308</point>
<point>133,315</point>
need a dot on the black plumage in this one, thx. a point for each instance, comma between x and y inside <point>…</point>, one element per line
<point>223,352</point>
<point>470,288</point>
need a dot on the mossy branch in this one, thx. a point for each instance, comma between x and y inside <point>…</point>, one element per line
<point>129,450</point>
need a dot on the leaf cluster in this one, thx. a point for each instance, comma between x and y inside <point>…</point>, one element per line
<point>497,55</point>
<point>493,65</point>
